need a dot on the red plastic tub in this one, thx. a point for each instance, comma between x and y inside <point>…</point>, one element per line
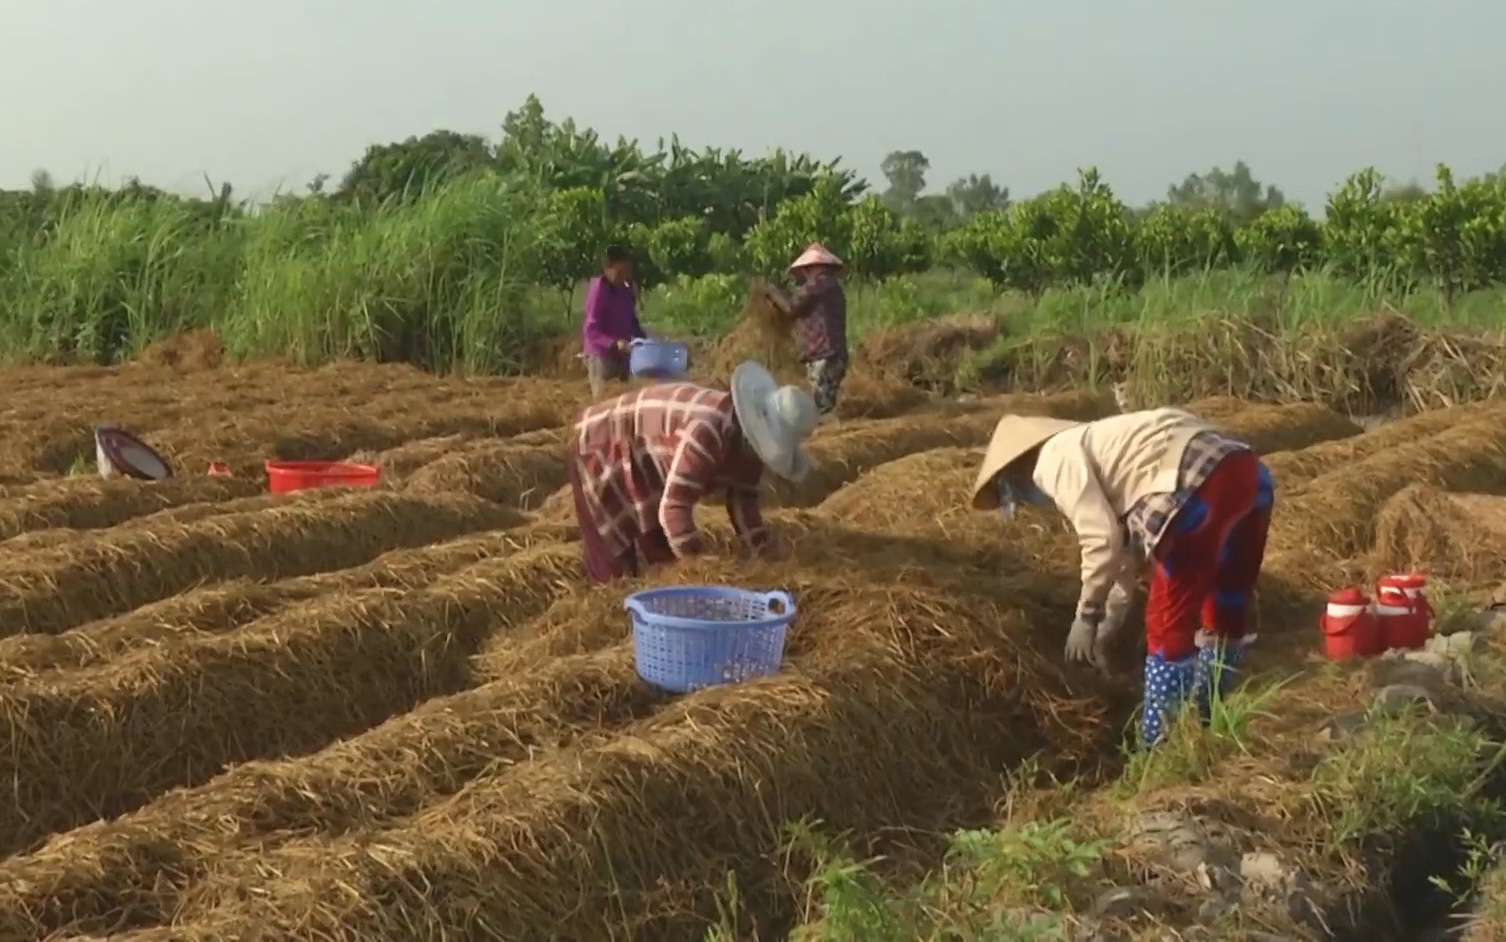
<point>284,477</point>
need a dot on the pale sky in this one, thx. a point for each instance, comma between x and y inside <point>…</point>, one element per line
<point>1306,91</point>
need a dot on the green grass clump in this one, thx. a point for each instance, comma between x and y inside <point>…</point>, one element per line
<point>1404,774</point>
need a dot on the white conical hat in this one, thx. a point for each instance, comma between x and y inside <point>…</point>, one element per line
<point>816,254</point>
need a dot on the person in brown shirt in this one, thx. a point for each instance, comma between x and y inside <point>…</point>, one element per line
<point>819,311</point>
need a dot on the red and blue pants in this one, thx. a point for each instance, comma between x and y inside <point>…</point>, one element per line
<point>1204,573</point>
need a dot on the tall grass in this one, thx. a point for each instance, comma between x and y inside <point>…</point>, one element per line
<point>449,281</point>
<point>113,273</point>
<point>443,281</point>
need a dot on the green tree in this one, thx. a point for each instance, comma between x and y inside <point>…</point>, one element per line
<point>409,168</point>
<point>1457,235</point>
<point>574,232</point>
<point>1282,240</point>
<point>906,172</point>
<point>819,216</point>
<point>1236,192</point>
<point>974,194</point>
<point>882,243</point>
<point>1070,235</point>
<point>1173,240</point>
<point>1360,232</point>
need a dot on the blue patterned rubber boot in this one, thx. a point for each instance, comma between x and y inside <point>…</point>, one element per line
<point>1217,668</point>
<point>1167,685</point>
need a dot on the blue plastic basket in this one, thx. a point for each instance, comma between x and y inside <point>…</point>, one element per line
<point>658,359</point>
<point>689,637</point>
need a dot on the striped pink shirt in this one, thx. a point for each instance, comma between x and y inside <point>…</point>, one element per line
<point>648,456</point>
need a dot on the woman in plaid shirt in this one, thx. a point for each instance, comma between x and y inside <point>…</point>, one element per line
<point>1160,485</point>
<point>639,463</point>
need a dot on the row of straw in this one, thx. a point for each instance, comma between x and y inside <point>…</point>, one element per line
<point>516,475</point>
<point>36,541</point>
<point>89,503</point>
<point>901,702</point>
<point>1335,513</point>
<point>224,607</point>
<point>112,875</point>
<point>1294,469</point>
<point>95,742</point>
<point>58,589</point>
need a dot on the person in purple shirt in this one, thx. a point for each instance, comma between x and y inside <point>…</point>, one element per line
<point>611,320</point>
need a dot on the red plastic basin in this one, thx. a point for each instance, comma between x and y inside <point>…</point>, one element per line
<point>286,476</point>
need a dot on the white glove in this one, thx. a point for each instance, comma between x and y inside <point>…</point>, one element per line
<point>1115,611</point>
<point>1081,641</point>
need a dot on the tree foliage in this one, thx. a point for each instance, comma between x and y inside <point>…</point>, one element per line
<point>426,246</point>
<point>1234,192</point>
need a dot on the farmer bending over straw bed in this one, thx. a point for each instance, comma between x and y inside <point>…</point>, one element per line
<point>639,463</point>
<point>1162,486</point>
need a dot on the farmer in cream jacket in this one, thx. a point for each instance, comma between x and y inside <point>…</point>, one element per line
<point>1161,487</point>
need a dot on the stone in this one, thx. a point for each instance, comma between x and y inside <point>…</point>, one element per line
<point>1418,668</point>
<point>1457,646</point>
<point>1124,902</point>
<point>1342,726</point>
<point>1176,838</point>
<point>1263,872</point>
<point>1037,920</point>
<point>1216,877</point>
<point>1396,698</point>
<point>1214,908</point>
<point>1270,879</point>
<point>1492,620</point>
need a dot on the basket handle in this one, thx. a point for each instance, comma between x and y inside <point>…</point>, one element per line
<point>785,601</point>
<point>635,606</point>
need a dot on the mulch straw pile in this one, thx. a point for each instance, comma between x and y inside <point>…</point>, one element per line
<point>521,476</point>
<point>300,719</point>
<point>1335,512</point>
<point>89,503</point>
<point>889,716</point>
<point>1459,538</point>
<point>61,588</point>
<point>762,334</point>
<point>97,741</point>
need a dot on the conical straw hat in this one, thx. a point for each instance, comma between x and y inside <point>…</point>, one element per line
<point>816,254</point>
<point>1014,437</point>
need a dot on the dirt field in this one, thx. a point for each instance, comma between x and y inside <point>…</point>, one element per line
<point>398,713</point>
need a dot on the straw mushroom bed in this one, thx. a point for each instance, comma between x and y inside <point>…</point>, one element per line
<point>400,713</point>
<point>96,741</point>
<point>63,587</point>
<point>225,606</point>
<point>521,476</point>
<point>89,503</point>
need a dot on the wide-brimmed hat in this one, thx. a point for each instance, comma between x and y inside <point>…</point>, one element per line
<point>1014,437</point>
<point>815,254</point>
<point>118,453</point>
<point>775,419</point>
